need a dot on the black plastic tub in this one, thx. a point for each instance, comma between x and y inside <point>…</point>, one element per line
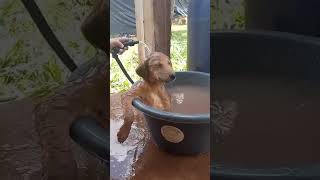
<point>179,133</point>
<point>265,54</point>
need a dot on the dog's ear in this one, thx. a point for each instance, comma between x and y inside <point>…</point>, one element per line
<point>142,69</point>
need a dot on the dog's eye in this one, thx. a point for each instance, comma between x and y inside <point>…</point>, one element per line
<point>160,65</point>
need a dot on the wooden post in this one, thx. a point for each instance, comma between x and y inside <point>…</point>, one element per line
<point>162,25</point>
<point>153,25</point>
<point>148,20</point>
<point>140,27</point>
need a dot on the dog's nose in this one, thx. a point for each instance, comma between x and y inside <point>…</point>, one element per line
<point>172,77</point>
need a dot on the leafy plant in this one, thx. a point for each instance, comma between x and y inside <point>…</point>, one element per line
<point>28,66</point>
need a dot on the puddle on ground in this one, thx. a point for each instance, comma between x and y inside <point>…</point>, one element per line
<point>123,156</point>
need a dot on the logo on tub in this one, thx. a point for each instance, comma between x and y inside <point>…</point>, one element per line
<point>172,134</point>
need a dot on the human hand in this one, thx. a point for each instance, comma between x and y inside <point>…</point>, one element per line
<point>118,43</point>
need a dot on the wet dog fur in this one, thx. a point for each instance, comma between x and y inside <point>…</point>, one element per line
<point>155,71</point>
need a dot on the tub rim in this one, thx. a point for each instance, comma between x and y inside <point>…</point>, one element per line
<point>269,34</point>
<point>305,171</point>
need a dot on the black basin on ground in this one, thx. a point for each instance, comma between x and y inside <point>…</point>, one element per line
<point>191,133</point>
<point>264,54</point>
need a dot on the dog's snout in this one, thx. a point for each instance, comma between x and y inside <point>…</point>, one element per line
<point>172,77</point>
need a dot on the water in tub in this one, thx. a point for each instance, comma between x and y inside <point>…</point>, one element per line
<point>190,99</point>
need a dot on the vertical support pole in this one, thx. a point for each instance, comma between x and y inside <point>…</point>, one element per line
<point>153,25</point>
<point>162,25</point>
<point>140,27</point>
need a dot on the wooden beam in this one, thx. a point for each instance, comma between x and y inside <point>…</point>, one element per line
<point>148,19</point>
<point>162,25</point>
<point>153,25</point>
<point>140,27</point>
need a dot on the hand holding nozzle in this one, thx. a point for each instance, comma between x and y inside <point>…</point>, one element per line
<point>119,45</point>
<point>119,49</point>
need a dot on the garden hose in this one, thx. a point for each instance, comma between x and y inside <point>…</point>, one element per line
<point>48,34</point>
<point>115,52</point>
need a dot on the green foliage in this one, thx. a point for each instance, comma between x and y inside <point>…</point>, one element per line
<point>212,15</point>
<point>130,61</point>
<point>179,49</point>
<point>28,66</point>
<point>16,72</point>
<point>227,15</point>
<point>239,16</point>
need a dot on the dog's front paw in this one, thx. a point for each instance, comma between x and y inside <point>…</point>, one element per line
<point>123,134</point>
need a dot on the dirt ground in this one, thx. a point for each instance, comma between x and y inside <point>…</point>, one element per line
<point>20,153</point>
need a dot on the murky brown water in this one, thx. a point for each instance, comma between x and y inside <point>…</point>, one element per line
<point>277,125</point>
<point>139,158</point>
<point>190,99</point>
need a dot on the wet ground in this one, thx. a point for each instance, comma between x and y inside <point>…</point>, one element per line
<point>20,153</point>
<point>140,159</point>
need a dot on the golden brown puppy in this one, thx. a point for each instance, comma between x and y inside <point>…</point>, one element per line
<point>155,71</point>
